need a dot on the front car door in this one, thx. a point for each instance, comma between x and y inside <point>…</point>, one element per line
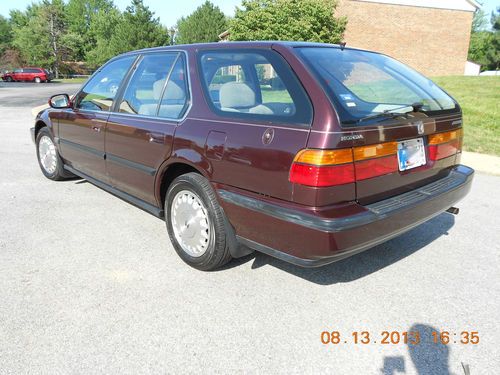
<point>81,128</point>
<point>140,129</point>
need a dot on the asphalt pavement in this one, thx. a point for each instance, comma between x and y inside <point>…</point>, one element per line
<point>90,284</point>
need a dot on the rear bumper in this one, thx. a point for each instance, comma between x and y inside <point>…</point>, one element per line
<point>311,239</point>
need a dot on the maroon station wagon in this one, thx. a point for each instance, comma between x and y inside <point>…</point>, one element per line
<point>307,152</point>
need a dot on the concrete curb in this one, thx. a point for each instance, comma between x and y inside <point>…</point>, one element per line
<point>489,164</point>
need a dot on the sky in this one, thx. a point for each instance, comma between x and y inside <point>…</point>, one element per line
<point>170,11</point>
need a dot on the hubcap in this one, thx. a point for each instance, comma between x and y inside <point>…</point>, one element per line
<point>47,154</point>
<point>190,223</point>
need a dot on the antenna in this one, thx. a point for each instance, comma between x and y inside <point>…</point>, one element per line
<point>342,45</point>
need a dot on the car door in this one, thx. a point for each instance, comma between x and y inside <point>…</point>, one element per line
<point>140,129</point>
<point>81,128</point>
<point>26,75</point>
<point>17,75</point>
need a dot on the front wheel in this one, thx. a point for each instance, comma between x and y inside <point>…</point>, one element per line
<point>195,223</point>
<point>9,79</point>
<point>38,80</point>
<point>48,158</point>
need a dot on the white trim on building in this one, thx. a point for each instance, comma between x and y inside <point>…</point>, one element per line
<point>465,5</point>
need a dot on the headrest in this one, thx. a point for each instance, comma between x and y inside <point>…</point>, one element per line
<point>236,95</point>
<point>172,92</point>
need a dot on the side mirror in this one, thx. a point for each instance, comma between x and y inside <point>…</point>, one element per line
<point>60,101</point>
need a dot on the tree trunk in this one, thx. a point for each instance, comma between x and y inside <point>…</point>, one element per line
<point>55,51</point>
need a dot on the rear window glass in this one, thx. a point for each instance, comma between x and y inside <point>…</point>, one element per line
<point>253,84</point>
<point>363,84</point>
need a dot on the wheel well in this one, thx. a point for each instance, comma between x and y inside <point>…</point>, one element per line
<point>38,126</point>
<point>172,172</point>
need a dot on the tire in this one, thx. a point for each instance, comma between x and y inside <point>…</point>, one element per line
<point>38,80</point>
<point>52,168</point>
<point>8,79</point>
<point>203,244</point>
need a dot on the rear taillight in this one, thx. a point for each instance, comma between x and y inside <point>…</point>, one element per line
<point>323,167</point>
<point>443,145</point>
<point>337,167</point>
<point>375,160</point>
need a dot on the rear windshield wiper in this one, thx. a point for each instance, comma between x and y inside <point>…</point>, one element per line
<point>392,113</point>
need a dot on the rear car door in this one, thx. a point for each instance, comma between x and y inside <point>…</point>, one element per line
<point>81,128</point>
<point>17,75</point>
<point>140,130</point>
<point>262,118</point>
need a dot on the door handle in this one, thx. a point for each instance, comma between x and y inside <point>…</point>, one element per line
<point>156,137</point>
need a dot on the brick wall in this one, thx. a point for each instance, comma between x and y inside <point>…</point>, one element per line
<point>432,41</point>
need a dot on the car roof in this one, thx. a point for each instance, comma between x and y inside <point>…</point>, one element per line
<point>232,45</point>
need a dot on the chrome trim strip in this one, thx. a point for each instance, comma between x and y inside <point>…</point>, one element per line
<point>81,147</point>
<point>131,164</point>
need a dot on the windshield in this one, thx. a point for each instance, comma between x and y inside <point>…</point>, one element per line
<point>363,84</point>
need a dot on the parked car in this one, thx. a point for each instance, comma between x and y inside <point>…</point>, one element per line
<point>350,149</point>
<point>28,75</point>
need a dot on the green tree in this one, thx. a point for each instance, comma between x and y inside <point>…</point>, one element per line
<point>138,28</point>
<point>5,34</point>
<point>41,36</point>
<point>203,25</point>
<point>81,15</point>
<point>101,30</point>
<point>494,53</point>
<point>297,20</point>
<point>484,44</point>
<point>479,22</point>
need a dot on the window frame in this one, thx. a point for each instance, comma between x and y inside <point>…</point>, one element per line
<point>126,81</point>
<point>304,110</point>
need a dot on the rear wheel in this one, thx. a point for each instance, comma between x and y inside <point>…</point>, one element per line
<point>8,79</point>
<point>38,79</point>
<point>49,160</point>
<point>195,223</point>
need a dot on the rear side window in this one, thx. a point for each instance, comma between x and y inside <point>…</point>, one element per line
<point>100,91</point>
<point>255,85</point>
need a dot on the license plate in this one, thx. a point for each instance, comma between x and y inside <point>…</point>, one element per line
<point>411,154</point>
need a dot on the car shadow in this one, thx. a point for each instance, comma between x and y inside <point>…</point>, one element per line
<point>365,263</point>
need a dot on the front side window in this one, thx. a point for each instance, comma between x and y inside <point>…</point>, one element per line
<point>363,84</point>
<point>101,89</point>
<point>253,84</point>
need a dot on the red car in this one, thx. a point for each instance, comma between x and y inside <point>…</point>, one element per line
<point>306,152</point>
<point>28,74</point>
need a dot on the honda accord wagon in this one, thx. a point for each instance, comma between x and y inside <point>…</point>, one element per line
<point>306,152</point>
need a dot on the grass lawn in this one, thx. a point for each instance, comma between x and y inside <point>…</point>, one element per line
<point>69,80</point>
<point>479,98</point>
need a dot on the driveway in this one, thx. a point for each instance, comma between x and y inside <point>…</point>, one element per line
<point>90,284</point>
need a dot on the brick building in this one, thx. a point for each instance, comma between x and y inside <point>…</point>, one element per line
<point>432,36</point>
